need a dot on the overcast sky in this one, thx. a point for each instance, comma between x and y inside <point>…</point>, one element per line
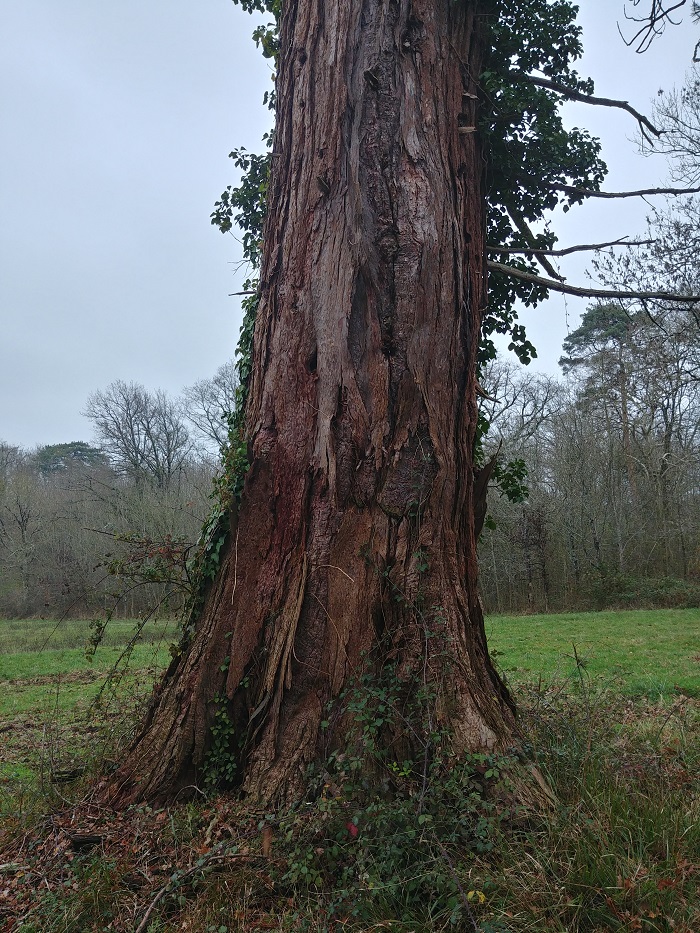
<point>116,122</point>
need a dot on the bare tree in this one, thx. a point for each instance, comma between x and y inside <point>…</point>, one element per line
<point>143,432</point>
<point>677,113</point>
<point>66,516</point>
<point>651,18</point>
<point>517,403</point>
<point>209,404</point>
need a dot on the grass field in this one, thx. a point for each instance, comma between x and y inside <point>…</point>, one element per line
<point>646,652</point>
<point>46,666</point>
<point>49,687</point>
<point>45,674</point>
<point>38,635</point>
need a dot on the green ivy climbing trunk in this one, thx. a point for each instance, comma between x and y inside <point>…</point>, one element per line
<point>354,543</point>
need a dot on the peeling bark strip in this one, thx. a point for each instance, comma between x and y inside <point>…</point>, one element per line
<point>362,406</point>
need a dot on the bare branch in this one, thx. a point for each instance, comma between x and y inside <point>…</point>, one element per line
<point>643,192</point>
<point>643,121</point>
<point>586,292</point>
<point>654,23</point>
<point>570,249</point>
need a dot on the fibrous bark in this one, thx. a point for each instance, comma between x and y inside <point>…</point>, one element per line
<point>361,412</point>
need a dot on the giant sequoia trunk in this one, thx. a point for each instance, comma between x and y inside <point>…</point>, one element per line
<point>356,527</point>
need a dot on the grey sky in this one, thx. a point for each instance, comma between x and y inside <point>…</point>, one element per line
<point>116,124</point>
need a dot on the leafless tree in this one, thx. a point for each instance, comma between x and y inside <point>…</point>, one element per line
<point>143,432</point>
<point>58,526</point>
<point>518,403</point>
<point>677,114</point>
<point>209,403</point>
<point>649,19</point>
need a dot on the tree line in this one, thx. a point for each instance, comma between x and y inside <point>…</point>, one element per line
<point>612,450</point>
<point>107,526</point>
<point>608,512</point>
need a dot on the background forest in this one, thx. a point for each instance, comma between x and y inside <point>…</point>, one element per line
<point>108,526</point>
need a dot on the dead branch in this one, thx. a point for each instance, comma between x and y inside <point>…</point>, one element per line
<point>586,292</point>
<point>643,192</point>
<point>570,249</point>
<point>643,121</point>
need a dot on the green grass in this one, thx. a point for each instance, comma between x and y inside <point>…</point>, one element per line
<point>647,652</point>
<point>45,670</point>
<point>48,690</point>
<point>65,694</point>
<point>39,635</point>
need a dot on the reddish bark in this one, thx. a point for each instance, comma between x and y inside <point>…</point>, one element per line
<point>362,407</point>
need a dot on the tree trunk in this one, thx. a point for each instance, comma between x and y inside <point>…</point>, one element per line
<point>355,536</point>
